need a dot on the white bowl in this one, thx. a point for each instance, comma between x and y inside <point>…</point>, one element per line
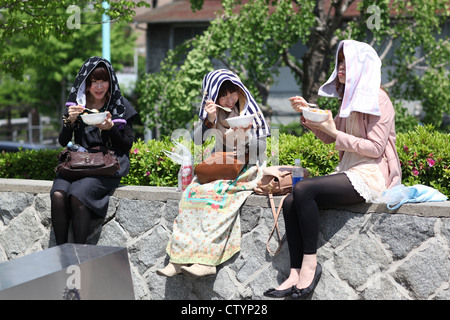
<point>94,118</point>
<point>314,114</point>
<point>241,121</point>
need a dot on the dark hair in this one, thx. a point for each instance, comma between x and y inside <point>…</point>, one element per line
<point>340,87</point>
<point>99,73</point>
<point>227,87</point>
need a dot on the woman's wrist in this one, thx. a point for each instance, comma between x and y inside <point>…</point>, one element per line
<point>67,123</point>
<point>111,131</point>
<point>208,123</point>
<point>107,128</point>
<point>333,133</point>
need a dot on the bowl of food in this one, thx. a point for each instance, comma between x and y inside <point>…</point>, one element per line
<point>93,118</point>
<point>241,121</point>
<point>315,114</point>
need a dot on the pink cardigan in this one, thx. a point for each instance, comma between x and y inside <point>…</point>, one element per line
<point>377,141</point>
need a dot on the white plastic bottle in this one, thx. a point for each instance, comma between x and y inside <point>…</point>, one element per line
<point>297,172</point>
<point>75,147</point>
<point>180,188</point>
<point>186,173</point>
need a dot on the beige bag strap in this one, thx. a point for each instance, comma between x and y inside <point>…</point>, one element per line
<point>276,214</point>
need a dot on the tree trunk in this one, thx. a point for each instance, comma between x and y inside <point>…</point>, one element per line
<point>316,64</point>
<point>321,45</point>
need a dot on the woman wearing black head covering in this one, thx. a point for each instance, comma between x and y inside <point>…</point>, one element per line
<point>95,87</point>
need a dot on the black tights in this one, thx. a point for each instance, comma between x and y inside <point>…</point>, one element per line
<point>63,210</point>
<point>301,213</point>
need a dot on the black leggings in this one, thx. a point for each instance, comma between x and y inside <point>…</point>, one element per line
<point>63,211</point>
<point>301,212</point>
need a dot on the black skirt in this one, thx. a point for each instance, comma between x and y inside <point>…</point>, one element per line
<point>93,192</point>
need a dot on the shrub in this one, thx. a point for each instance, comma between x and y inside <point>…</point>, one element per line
<point>318,158</point>
<point>424,155</point>
<point>425,158</point>
<point>29,164</point>
<point>149,166</point>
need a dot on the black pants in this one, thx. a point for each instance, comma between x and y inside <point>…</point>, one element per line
<point>301,212</point>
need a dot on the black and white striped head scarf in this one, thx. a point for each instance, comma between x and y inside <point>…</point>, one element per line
<point>211,85</point>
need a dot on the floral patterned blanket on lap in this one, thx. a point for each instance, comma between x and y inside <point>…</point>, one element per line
<point>207,229</point>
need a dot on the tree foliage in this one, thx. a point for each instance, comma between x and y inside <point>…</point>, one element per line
<point>47,84</point>
<point>46,57</point>
<point>39,20</point>
<point>255,39</point>
<point>413,49</point>
<point>170,97</point>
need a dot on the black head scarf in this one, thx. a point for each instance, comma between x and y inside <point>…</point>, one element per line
<point>118,106</point>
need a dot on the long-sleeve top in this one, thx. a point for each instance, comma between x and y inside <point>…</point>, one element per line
<point>377,139</point>
<point>120,139</point>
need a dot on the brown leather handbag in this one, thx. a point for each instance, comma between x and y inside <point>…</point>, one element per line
<point>74,165</point>
<point>276,181</point>
<point>219,166</point>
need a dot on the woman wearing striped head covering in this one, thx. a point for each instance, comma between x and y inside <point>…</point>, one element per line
<point>206,232</point>
<point>224,88</point>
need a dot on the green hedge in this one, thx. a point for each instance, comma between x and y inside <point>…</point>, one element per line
<point>29,164</point>
<point>425,158</point>
<point>424,155</point>
<point>149,166</point>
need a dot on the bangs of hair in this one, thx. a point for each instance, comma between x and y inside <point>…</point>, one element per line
<point>227,87</point>
<point>99,73</point>
<point>341,55</point>
<point>340,87</point>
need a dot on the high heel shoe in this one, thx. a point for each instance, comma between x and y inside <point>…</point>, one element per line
<point>274,293</point>
<point>305,292</point>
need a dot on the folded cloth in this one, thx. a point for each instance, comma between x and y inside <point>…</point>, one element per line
<point>400,194</point>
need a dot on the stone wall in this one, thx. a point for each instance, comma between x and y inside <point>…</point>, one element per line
<point>366,251</point>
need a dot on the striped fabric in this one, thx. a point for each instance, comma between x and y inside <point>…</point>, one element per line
<point>211,85</point>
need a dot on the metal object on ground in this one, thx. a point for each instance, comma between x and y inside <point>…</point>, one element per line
<point>68,271</point>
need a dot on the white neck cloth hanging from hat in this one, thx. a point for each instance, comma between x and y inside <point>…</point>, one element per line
<point>362,79</point>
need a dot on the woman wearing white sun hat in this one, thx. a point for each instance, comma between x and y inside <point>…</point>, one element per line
<point>364,134</point>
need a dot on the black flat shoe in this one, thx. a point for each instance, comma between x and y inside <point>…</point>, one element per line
<point>274,293</point>
<point>305,292</point>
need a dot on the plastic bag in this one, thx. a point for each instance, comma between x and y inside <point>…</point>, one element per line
<point>179,153</point>
<point>398,195</point>
<point>182,155</point>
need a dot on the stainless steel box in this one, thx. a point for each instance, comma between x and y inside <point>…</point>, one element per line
<point>68,271</point>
